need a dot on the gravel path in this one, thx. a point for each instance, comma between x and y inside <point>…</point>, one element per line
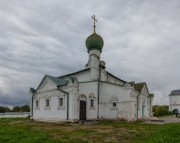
<point>164,120</point>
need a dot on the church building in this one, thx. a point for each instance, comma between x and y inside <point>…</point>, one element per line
<point>90,94</point>
<point>174,100</point>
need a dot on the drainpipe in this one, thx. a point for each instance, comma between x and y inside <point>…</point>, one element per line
<point>67,101</point>
<point>137,104</point>
<point>32,104</point>
<point>150,108</point>
<point>99,78</point>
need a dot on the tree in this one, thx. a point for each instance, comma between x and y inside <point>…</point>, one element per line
<point>25,108</point>
<point>160,110</point>
<point>2,109</point>
<point>16,109</point>
<point>7,109</point>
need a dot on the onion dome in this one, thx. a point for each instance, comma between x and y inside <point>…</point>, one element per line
<point>94,42</point>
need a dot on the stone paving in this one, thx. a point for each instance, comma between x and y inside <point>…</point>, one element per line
<point>163,120</point>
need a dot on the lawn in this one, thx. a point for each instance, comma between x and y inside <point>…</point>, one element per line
<point>20,130</point>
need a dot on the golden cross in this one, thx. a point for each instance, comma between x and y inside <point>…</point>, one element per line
<point>95,20</point>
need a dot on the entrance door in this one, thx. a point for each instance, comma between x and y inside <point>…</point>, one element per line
<point>142,110</point>
<point>82,110</point>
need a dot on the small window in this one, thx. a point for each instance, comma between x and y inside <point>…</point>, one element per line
<point>60,101</point>
<point>114,104</point>
<point>92,102</point>
<point>47,102</point>
<point>37,103</point>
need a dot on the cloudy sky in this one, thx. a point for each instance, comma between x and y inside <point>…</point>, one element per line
<point>38,37</point>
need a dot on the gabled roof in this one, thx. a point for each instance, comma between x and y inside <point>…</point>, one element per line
<point>175,92</point>
<point>73,79</point>
<point>115,77</point>
<point>139,86</point>
<point>132,83</point>
<point>58,81</point>
<point>74,73</point>
<point>151,95</point>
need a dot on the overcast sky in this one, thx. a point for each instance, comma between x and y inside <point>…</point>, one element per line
<point>38,37</point>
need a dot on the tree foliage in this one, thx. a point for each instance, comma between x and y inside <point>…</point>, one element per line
<point>160,110</point>
<point>4,109</point>
<point>16,109</point>
<point>25,108</point>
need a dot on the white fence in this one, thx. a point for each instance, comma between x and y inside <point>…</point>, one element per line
<point>14,115</point>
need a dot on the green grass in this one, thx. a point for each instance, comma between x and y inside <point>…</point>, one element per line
<point>20,130</point>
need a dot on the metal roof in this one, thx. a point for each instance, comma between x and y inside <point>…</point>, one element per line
<point>58,81</point>
<point>175,92</point>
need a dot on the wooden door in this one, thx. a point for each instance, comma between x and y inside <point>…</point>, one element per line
<point>82,110</point>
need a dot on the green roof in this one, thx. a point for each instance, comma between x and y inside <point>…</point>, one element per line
<point>73,79</point>
<point>58,81</point>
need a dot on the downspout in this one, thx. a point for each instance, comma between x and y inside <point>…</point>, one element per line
<point>67,101</point>
<point>137,104</point>
<point>99,78</point>
<point>32,104</point>
<point>150,108</point>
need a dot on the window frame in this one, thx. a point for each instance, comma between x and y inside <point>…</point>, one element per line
<point>47,103</point>
<point>61,102</point>
<point>59,106</point>
<point>114,104</point>
<point>92,103</point>
<point>37,103</point>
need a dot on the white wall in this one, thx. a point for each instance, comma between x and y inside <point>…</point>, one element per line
<point>86,89</point>
<point>81,76</point>
<point>53,112</point>
<point>174,102</point>
<point>115,93</point>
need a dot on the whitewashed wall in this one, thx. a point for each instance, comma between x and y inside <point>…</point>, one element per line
<point>121,96</point>
<point>14,115</point>
<point>174,102</point>
<point>86,89</point>
<point>53,112</point>
<point>81,76</point>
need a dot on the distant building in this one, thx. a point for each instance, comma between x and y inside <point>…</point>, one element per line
<point>174,100</point>
<point>91,93</point>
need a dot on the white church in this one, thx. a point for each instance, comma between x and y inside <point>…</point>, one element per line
<point>90,94</point>
<point>174,100</point>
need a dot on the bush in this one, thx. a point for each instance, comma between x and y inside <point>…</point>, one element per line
<point>161,110</point>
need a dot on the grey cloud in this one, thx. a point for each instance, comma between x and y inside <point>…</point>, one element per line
<point>42,37</point>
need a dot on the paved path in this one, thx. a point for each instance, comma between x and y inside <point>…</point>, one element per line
<point>164,120</point>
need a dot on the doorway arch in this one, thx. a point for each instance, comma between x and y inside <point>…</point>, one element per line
<point>82,107</point>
